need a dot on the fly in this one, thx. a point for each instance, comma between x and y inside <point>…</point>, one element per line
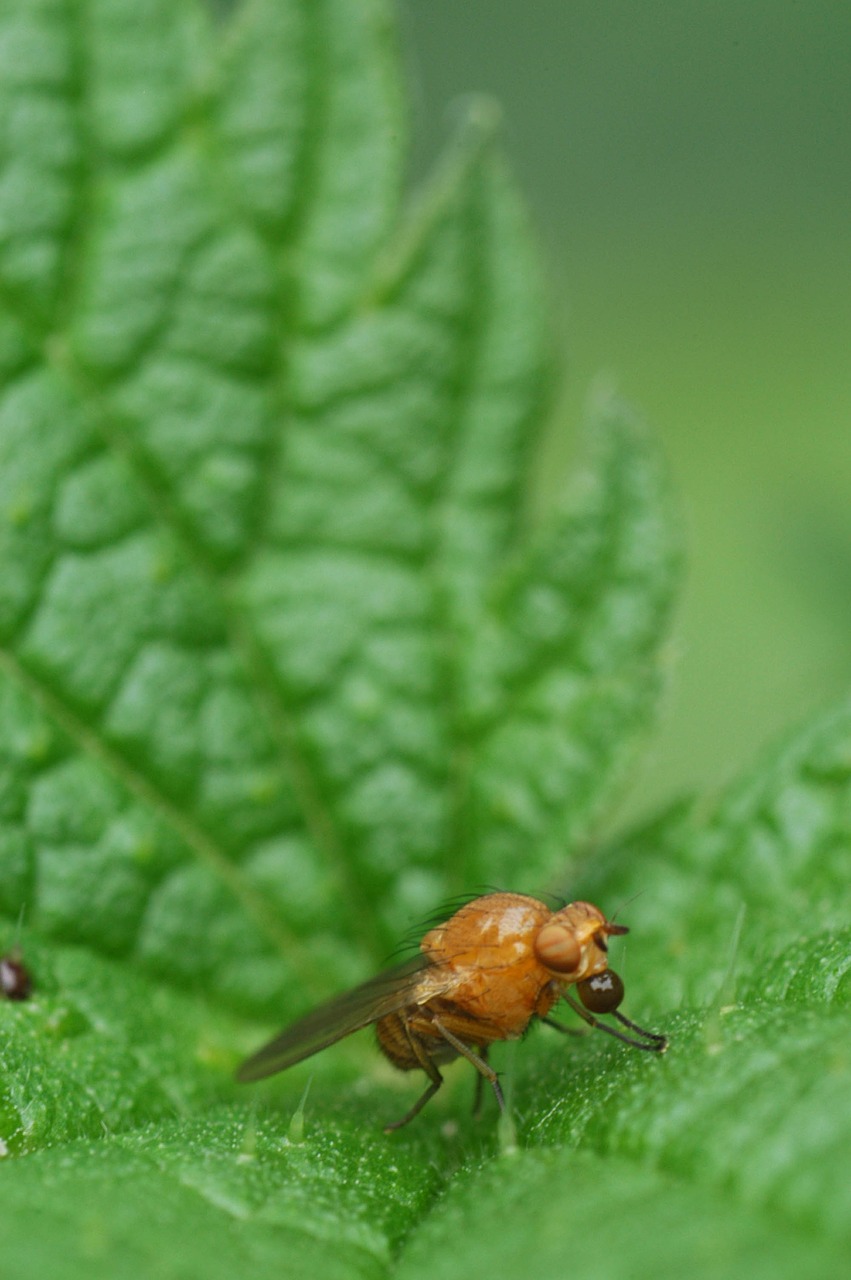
<point>483,975</point>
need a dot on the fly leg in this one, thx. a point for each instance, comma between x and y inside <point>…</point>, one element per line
<point>480,1081</point>
<point>433,1074</point>
<point>653,1042</point>
<point>565,1031</point>
<point>478,1061</point>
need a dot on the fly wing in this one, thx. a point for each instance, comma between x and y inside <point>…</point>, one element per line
<point>386,993</point>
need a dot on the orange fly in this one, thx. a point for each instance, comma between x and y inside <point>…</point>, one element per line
<point>483,975</point>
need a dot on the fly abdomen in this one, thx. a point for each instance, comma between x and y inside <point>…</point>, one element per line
<point>395,1043</point>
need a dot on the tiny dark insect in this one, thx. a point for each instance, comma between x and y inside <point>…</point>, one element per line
<point>483,975</point>
<point>15,978</point>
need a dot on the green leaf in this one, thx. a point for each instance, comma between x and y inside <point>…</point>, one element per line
<point>747,897</point>
<point>94,1052</point>
<point>284,662</point>
<point>575,1213</point>
<point>566,665</point>
<point>258,579</point>
<point>216,1196</point>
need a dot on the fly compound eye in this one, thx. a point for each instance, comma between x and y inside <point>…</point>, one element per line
<point>557,948</point>
<point>602,993</point>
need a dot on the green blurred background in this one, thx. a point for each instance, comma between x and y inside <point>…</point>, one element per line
<point>688,169</point>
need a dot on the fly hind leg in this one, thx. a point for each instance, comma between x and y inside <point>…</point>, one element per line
<point>434,1076</point>
<point>486,1072</point>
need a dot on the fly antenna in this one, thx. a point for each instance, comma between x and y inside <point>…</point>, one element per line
<point>627,902</point>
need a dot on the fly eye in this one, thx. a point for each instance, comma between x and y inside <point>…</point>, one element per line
<point>602,993</point>
<point>557,949</point>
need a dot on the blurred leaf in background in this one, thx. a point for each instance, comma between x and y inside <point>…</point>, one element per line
<point>286,658</point>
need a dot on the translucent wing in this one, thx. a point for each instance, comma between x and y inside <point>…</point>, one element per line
<point>386,993</point>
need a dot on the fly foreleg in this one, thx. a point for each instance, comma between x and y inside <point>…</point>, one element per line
<point>653,1042</point>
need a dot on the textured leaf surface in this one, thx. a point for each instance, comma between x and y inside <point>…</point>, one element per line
<point>283,664</point>
<point>218,1197</point>
<point>261,611</point>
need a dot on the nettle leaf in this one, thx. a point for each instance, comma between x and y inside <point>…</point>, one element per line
<point>565,1211</point>
<point>284,662</point>
<point>271,613</point>
<point>217,1196</point>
